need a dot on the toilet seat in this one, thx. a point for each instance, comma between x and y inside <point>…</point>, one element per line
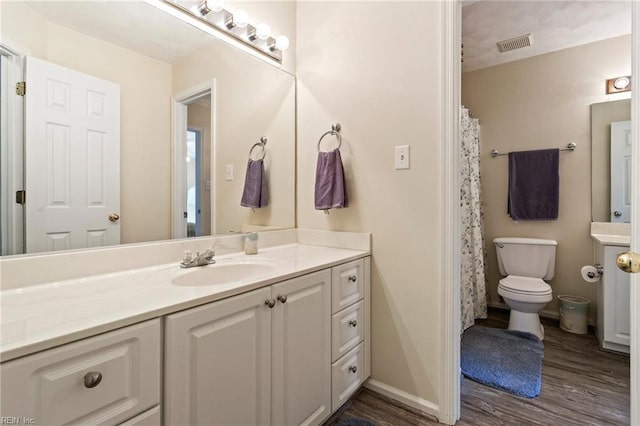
<point>525,285</point>
<point>525,289</point>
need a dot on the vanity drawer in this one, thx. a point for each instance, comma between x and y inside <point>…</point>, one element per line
<point>102,380</point>
<point>347,330</point>
<point>347,284</point>
<point>347,376</point>
<point>148,418</point>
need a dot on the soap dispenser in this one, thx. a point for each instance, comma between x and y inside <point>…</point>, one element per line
<point>251,243</point>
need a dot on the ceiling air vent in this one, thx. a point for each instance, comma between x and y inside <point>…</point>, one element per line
<point>515,43</point>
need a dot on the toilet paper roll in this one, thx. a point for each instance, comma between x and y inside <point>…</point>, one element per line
<point>590,274</point>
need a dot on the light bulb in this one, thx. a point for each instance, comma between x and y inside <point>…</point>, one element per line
<point>263,31</point>
<point>282,42</point>
<point>240,18</point>
<point>216,5</point>
<point>621,83</point>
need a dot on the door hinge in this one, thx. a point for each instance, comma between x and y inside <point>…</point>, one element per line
<point>21,197</point>
<point>21,88</point>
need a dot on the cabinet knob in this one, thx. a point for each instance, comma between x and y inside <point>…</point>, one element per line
<point>92,379</point>
<point>617,213</point>
<point>353,323</point>
<point>353,368</point>
<point>353,278</point>
<point>282,298</point>
<point>270,303</point>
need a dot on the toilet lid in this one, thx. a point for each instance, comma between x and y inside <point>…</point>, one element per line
<point>525,285</point>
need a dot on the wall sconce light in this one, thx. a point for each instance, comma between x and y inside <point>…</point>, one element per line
<point>227,25</point>
<point>619,84</point>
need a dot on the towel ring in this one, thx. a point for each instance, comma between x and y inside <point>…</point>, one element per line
<point>262,143</point>
<point>335,130</point>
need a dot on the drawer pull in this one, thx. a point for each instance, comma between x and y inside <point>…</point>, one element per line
<point>282,298</point>
<point>353,278</point>
<point>353,323</point>
<point>270,303</point>
<point>353,368</point>
<point>92,379</point>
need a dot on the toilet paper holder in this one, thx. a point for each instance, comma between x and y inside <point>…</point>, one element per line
<point>599,271</point>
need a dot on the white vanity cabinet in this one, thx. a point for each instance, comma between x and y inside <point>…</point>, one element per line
<point>613,325</point>
<point>259,358</point>
<point>277,352</point>
<point>103,380</point>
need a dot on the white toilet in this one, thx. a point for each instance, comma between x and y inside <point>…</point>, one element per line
<point>526,262</point>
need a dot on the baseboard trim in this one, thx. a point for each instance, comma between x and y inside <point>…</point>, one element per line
<point>396,394</point>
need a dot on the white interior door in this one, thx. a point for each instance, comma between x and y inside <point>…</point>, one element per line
<point>72,159</point>
<point>621,171</point>
<point>635,219</point>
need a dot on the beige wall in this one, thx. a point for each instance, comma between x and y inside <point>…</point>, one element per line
<point>199,116</point>
<point>145,91</point>
<point>382,87</point>
<point>544,102</point>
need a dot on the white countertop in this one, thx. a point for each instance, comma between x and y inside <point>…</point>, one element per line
<point>612,240</point>
<point>42,316</point>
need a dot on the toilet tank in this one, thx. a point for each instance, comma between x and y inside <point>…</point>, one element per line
<point>526,257</point>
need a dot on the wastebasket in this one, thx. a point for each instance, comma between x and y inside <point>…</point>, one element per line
<point>573,313</point>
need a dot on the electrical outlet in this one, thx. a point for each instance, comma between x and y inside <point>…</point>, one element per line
<point>403,154</point>
<point>229,173</point>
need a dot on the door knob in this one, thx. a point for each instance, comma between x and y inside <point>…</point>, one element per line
<point>114,217</point>
<point>629,262</point>
<point>617,213</point>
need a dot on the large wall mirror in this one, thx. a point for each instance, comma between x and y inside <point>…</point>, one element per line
<point>134,64</point>
<point>611,161</point>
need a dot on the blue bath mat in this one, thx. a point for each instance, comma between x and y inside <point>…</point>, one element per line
<point>508,360</point>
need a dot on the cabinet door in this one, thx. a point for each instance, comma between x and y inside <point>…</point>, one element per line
<point>302,350</point>
<point>617,321</point>
<point>218,363</point>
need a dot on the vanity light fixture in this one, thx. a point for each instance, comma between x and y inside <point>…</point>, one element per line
<point>619,84</point>
<point>233,27</point>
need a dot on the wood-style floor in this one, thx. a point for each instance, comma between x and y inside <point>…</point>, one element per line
<point>581,385</point>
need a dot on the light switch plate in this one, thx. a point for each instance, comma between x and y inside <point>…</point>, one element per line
<point>228,176</point>
<point>403,155</point>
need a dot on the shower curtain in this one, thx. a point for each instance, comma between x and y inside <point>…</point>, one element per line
<point>473,295</point>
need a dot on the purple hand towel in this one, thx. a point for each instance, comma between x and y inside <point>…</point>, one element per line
<point>255,186</point>
<point>331,192</point>
<point>534,185</point>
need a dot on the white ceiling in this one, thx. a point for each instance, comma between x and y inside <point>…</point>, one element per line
<point>131,24</point>
<point>555,25</point>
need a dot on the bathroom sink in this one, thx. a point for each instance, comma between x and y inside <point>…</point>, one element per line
<point>223,273</point>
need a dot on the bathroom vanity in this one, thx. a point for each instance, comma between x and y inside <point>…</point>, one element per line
<point>613,324</point>
<point>281,337</point>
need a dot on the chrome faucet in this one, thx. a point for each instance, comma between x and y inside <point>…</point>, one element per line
<point>200,259</point>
